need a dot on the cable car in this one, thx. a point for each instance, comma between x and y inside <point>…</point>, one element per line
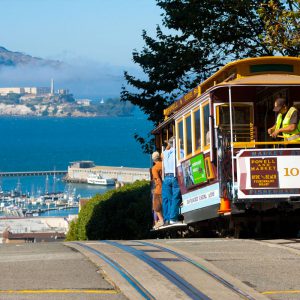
<point>231,171</point>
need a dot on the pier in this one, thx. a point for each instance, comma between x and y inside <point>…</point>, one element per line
<point>32,173</point>
<point>79,172</point>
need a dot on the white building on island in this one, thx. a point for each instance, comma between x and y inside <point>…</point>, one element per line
<point>25,90</point>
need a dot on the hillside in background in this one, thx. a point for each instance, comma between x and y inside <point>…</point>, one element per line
<point>10,58</point>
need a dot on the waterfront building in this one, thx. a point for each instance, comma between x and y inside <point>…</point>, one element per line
<point>79,172</point>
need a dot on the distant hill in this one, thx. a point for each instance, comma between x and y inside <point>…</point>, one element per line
<point>10,58</point>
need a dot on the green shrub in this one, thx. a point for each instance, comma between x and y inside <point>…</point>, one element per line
<point>72,233</point>
<point>118,214</point>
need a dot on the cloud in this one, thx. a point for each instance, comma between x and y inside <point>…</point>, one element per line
<point>82,77</point>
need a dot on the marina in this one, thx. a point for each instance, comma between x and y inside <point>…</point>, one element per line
<point>38,193</point>
<point>17,204</point>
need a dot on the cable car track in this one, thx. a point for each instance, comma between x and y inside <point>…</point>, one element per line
<point>204,269</point>
<point>181,283</point>
<point>164,261</point>
<point>128,277</point>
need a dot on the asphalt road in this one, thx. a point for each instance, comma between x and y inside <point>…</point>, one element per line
<point>51,271</point>
<point>271,267</point>
<point>262,269</point>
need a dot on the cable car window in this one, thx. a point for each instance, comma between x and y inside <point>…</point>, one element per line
<point>242,121</point>
<point>180,139</point>
<point>188,135</point>
<point>206,124</point>
<point>164,135</point>
<point>241,115</point>
<point>197,135</point>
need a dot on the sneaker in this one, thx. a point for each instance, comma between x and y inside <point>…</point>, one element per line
<point>158,224</point>
<point>175,222</point>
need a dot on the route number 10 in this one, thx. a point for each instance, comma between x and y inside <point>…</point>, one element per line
<point>291,171</point>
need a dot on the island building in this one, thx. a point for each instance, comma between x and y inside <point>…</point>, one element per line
<point>4,91</point>
<point>63,92</point>
<point>83,102</point>
<point>79,171</point>
<point>24,90</point>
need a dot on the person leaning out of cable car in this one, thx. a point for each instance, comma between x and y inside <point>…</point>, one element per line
<point>287,122</point>
<point>171,196</point>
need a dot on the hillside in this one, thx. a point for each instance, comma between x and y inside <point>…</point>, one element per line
<point>10,58</point>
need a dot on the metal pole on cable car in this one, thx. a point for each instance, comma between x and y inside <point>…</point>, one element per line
<point>231,139</point>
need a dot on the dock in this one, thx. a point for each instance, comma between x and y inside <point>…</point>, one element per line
<point>33,173</point>
<point>79,172</point>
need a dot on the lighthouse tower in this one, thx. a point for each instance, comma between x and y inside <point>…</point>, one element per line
<point>52,87</point>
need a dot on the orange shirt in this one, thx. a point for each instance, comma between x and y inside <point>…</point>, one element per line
<point>157,176</point>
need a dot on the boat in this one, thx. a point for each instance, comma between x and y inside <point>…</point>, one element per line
<point>99,180</point>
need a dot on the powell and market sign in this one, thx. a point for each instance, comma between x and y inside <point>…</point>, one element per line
<point>268,173</point>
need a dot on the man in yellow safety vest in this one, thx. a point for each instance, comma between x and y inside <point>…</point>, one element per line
<point>287,122</point>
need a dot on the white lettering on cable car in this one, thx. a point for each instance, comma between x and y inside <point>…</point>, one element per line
<point>201,198</point>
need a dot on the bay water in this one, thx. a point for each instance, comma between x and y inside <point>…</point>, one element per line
<point>38,144</point>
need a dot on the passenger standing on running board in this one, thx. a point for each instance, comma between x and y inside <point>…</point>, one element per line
<point>171,196</point>
<point>157,178</point>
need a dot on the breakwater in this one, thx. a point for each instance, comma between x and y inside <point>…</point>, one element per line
<point>32,173</point>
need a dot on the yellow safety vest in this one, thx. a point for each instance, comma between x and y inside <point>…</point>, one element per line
<point>293,135</point>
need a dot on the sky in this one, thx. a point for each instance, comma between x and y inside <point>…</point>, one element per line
<point>94,37</point>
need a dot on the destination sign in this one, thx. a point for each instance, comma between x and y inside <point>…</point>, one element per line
<point>268,173</point>
<point>264,172</point>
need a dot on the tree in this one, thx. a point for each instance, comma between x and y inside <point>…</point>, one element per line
<point>281,26</point>
<point>201,36</point>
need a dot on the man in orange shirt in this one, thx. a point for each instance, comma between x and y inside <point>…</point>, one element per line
<point>157,178</point>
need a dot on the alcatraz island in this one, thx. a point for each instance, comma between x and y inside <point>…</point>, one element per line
<point>46,102</point>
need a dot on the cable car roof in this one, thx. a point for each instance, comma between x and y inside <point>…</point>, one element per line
<point>265,79</point>
<point>267,70</point>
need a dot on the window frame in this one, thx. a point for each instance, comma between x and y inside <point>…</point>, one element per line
<point>177,138</point>
<point>197,109</point>
<point>187,115</point>
<point>203,136</point>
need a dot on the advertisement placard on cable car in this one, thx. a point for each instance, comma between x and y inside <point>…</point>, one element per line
<point>268,173</point>
<point>192,172</point>
<point>200,198</point>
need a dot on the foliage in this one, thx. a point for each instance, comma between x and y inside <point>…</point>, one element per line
<point>10,98</point>
<point>66,98</point>
<point>72,233</point>
<point>118,214</point>
<point>202,36</point>
<point>114,107</point>
<point>282,26</point>
<point>45,112</point>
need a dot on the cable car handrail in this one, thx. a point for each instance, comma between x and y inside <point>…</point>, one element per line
<point>254,143</point>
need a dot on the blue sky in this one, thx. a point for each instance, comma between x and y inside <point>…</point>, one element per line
<point>94,36</point>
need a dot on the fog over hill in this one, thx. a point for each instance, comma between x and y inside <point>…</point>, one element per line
<point>83,77</point>
<point>10,58</point>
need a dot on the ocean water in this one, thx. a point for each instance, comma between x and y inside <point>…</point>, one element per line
<point>33,144</point>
